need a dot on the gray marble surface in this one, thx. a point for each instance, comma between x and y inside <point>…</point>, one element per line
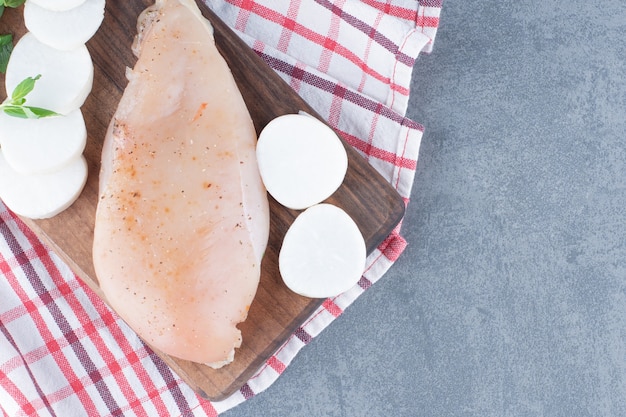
<point>511,297</point>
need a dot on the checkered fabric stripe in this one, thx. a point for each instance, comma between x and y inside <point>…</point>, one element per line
<point>371,49</point>
<point>64,353</point>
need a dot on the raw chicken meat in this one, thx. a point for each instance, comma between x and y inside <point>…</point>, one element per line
<point>183,220</point>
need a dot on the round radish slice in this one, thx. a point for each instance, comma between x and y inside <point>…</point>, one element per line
<point>57,5</point>
<point>301,160</point>
<point>66,76</point>
<point>37,146</point>
<point>43,195</point>
<point>67,29</point>
<point>323,252</point>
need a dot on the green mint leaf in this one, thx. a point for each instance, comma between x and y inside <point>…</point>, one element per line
<point>6,39</point>
<point>15,111</point>
<point>13,3</point>
<point>1,9</point>
<point>15,106</point>
<point>22,89</point>
<point>6,47</point>
<point>39,113</point>
<point>26,112</point>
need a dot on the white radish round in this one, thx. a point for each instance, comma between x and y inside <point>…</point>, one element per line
<point>66,76</point>
<point>66,29</point>
<point>57,5</point>
<point>323,253</point>
<point>301,160</point>
<point>42,196</point>
<point>38,146</point>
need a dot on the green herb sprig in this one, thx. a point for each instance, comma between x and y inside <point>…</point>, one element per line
<point>6,41</point>
<point>10,3</point>
<point>15,105</point>
<point>6,47</point>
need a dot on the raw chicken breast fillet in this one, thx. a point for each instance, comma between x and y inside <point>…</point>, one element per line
<point>182,220</point>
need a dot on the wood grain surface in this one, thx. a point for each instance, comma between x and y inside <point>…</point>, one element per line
<point>276,311</point>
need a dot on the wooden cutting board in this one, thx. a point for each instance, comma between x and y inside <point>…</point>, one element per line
<point>276,311</point>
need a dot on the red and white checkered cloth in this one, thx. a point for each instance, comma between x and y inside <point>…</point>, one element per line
<point>64,353</point>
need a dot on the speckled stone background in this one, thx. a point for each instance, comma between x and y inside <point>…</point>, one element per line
<point>511,297</point>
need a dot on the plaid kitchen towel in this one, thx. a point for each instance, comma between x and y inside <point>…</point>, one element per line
<point>64,353</point>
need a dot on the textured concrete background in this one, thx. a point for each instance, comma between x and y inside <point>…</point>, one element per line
<point>511,298</point>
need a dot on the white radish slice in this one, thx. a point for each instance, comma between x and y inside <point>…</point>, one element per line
<point>323,253</point>
<point>66,76</point>
<point>67,29</point>
<point>42,196</point>
<point>57,5</point>
<point>38,146</point>
<point>301,160</point>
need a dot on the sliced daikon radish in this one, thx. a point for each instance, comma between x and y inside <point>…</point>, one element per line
<point>57,5</point>
<point>67,29</point>
<point>66,76</point>
<point>43,195</point>
<point>323,252</point>
<point>302,161</point>
<point>38,146</point>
